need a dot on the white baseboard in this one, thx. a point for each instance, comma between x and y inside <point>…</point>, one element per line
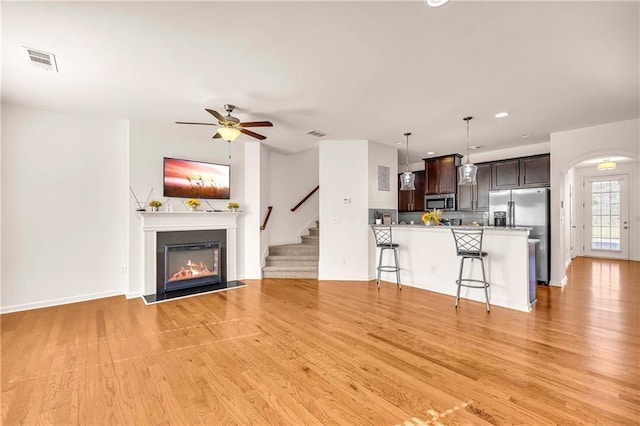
<point>133,295</point>
<point>560,284</point>
<point>57,302</point>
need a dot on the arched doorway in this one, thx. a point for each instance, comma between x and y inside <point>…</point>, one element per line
<point>600,209</point>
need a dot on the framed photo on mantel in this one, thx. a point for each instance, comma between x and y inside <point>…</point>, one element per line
<point>386,218</point>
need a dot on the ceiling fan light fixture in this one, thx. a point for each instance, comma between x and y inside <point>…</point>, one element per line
<point>407,179</point>
<point>229,133</point>
<point>468,172</point>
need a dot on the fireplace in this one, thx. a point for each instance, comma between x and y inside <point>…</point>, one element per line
<point>191,265</point>
<point>187,259</point>
<point>161,229</point>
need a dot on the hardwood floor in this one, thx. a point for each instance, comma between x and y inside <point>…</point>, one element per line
<point>307,352</point>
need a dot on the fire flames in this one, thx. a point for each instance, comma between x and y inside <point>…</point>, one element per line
<point>191,270</point>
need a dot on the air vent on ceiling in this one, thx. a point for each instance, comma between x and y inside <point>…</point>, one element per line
<point>42,59</point>
<point>316,133</point>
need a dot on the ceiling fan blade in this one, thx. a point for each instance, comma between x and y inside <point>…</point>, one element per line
<point>216,114</point>
<point>253,134</point>
<point>257,124</point>
<point>217,136</point>
<point>204,124</point>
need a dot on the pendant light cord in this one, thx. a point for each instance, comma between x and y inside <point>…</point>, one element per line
<point>407,135</point>
<point>467,119</point>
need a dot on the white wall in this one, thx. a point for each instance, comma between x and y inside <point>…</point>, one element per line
<point>507,153</point>
<point>149,143</point>
<point>344,232</point>
<point>383,155</point>
<point>572,147</point>
<point>292,177</point>
<point>252,247</point>
<point>64,210</point>
<point>349,188</point>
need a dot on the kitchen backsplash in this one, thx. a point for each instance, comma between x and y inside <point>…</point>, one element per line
<point>374,212</point>
<point>467,218</point>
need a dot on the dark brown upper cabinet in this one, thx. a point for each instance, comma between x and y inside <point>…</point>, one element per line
<point>441,177</point>
<point>535,171</point>
<point>525,172</point>
<point>476,197</point>
<point>412,201</point>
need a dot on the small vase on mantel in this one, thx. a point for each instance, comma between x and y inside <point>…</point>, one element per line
<point>192,208</point>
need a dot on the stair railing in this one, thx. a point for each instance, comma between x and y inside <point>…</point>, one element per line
<point>305,198</point>
<point>266,219</point>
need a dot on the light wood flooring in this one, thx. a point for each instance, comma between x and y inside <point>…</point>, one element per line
<point>303,352</point>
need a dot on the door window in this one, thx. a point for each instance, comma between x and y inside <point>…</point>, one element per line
<point>606,218</point>
<point>605,215</point>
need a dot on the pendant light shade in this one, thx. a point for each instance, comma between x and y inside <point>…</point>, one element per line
<point>468,171</point>
<point>407,179</point>
<point>228,133</point>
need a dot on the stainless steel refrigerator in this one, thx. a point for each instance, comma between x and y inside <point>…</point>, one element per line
<point>527,208</point>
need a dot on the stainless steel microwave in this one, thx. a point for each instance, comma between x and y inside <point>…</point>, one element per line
<point>440,202</point>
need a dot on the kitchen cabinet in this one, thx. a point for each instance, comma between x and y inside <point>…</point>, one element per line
<point>476,197</point>
<point>525,172</point>
<point>505,174</point>
<point>535,171</point>
<point>441,174</point>
<point>412,201</point>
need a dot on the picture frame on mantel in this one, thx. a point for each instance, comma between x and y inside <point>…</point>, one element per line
<point>386,218</point>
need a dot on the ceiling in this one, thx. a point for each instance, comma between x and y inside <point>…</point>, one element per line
<point>351,70</point>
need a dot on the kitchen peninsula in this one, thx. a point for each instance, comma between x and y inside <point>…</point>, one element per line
<point>428,261</point>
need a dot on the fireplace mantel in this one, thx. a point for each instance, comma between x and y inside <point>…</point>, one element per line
<point>154,222</point>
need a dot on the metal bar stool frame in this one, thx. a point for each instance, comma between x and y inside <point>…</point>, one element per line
<point>469,246</point>
<point>384,241</point>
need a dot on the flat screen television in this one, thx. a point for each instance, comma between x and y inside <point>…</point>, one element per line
<point>195,179</point>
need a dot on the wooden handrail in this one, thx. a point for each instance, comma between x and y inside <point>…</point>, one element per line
<point>305,198</point>
<point>266,219</point>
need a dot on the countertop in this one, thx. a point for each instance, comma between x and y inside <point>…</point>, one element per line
<point>444,227</point>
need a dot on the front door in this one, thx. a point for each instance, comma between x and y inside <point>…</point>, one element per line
<point>606,219</point>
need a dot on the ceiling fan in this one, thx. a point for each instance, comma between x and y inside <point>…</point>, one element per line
<point>229,127</point>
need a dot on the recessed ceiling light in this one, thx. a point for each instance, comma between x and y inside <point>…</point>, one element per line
<point>430,153</point>
<point>436,3</point>
<point>502,114</point>
<point>398,142</point>
<point>526,135</point>
<point>475,147</point>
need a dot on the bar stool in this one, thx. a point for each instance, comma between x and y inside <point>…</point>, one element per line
<point>469,246</point>
<point>384,241</point>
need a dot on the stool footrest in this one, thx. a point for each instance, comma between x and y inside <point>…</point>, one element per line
<point>470,285</point>
<point>388,268</point>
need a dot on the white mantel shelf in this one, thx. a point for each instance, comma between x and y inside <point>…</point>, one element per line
<point>154,222</point>
<point>185,221</point>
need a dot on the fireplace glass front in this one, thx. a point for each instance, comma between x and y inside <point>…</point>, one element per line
<point>191,265</point>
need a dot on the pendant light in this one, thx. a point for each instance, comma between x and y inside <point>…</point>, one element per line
<point>468,171</point>
<point>407,179</point>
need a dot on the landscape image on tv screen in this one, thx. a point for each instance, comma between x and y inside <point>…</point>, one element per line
<point>195,179</point>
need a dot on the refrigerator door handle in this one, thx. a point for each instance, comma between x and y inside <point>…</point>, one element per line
<point>511,213</point>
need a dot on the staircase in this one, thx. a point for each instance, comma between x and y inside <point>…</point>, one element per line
<point>295,260</point>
